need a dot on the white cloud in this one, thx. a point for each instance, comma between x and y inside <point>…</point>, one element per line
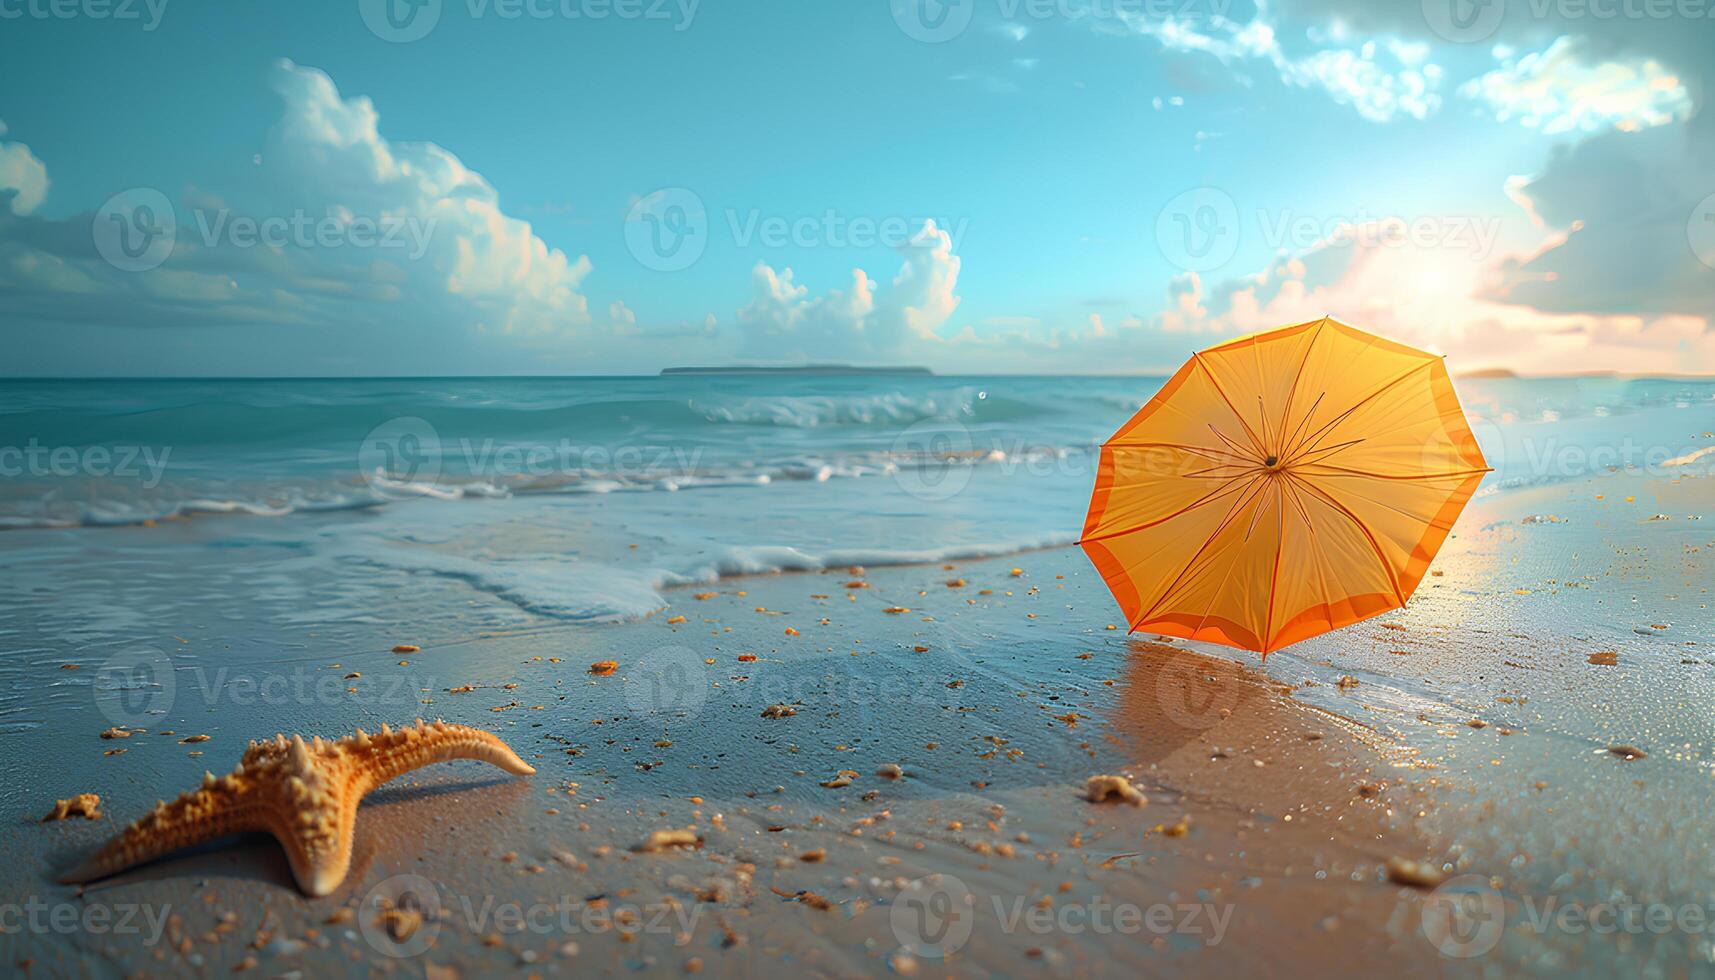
<point>922,297</point>
<point>1562,89</point>
<point>1434,298</point>
<point>1621,211</point>
<point>334,156</point>
<point>1382,82</point>
<point>784,322</point>
<point>460,269</point>
<point>22,176</point>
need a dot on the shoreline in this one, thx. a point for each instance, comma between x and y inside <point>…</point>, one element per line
<point>1023,695</point>
<point>1002,768</point>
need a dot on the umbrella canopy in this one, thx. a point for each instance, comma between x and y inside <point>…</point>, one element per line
<point>1280,486</point>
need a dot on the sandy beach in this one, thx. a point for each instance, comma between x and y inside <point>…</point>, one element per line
<point>938,724</point>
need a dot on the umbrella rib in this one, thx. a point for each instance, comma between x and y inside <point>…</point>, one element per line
<point>1299,428</point>
<point>1231,567</point>
<point>1274,576</point>
<point>1292,392</point>
<point>1327,452</point>
<point>1203,474</point>
<point>1310,441</point>
<point>1188,508</point>
<point>1371,342</point>
<point>1228,519</point>
<point>1378,503</point>
<point>1316,546</point>
<point>1375,546</point>
<point>1198,357</point>
<point>1202,451</point>
<point>1406,477</point>
<point>1232,446</point>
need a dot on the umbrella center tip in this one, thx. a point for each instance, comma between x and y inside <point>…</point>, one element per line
<point>1272,461</point>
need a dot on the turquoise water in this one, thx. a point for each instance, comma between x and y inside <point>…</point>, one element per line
<point>581,498</point>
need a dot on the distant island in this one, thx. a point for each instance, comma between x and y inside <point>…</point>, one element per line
<point>806,369</point>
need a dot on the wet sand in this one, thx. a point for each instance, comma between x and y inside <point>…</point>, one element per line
<point>1276,794</point>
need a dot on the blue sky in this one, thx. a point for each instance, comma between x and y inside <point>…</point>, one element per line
<point>1058,185</point>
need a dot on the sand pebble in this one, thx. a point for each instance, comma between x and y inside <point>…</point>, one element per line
<point>1414,874</point>
<point>406,648</point>
<point>86,805</point>
<point>1100,788</point>
<point>779,711</point>
<point>1627,753</point>
<point>664,840</point>
<point>604,667</point>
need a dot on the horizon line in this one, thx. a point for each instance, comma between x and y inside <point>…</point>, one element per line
<point>1478,374</point>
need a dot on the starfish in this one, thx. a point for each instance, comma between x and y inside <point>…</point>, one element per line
<point>303,793</point>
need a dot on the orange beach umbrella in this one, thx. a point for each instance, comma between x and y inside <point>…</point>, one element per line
<point>1282,485</point>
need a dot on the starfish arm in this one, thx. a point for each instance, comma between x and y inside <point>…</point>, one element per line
<point>220,808</point>
<point>391,754</point>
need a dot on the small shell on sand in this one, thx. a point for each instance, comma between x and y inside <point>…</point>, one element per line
<point>1627,752</point>
<point>1414,874</point>
<point>86,805</point>
<point>116,733</point>
<point>604,667</point>
<point>779,711</point>
<point>1605,658</point>
<point>1099,788</point>
<point>406,648</point>
<point>889,771</point>
<point>665,840</point>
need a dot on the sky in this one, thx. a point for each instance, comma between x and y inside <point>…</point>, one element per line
<point>463,187</point>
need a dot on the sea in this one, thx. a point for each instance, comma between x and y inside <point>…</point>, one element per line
<point>580,499</point>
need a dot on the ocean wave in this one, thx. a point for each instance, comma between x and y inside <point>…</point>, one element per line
<point>894,409</point>
<point>577,590</point>
<point>53,510</point>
